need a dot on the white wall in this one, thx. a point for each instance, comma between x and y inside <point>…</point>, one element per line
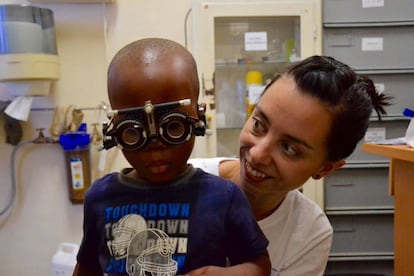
<point>88,36</point>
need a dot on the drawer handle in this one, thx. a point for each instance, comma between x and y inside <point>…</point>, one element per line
<point>342,184</point>
<point>344,229</point>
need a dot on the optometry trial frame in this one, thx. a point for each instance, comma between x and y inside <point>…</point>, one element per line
<point>138,126</point>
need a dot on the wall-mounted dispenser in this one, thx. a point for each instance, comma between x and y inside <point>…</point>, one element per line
<point>28,51</point>
<point>28,59</point>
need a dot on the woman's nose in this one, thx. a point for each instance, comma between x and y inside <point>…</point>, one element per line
<point>261,152</point>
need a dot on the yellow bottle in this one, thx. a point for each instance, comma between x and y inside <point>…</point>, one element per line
<point>253,78</point>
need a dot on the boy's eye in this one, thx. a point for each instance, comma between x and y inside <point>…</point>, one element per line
<point>175,128</point>
<point>131,135</point>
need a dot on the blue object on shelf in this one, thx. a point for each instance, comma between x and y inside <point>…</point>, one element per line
<point>408,112</point>
<point>74,140</point>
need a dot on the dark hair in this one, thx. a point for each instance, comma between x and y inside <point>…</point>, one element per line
<point>350,98</point>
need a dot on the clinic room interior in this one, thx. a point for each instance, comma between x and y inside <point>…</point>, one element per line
<point>39,212</point>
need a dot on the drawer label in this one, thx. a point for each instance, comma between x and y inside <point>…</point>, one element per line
<point>372,3</point>
<point>380,87</point>
<point>372,44</point>
<point>254,93</point>
<point>375,134</point>
<point>255,41</point>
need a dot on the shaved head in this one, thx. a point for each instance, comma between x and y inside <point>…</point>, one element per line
<point>149,55</point>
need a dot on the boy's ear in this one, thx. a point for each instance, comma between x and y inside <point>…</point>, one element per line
<point>328,168</point>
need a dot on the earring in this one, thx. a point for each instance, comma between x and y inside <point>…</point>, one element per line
<point>316,176</point>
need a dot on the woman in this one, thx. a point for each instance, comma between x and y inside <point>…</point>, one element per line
<point>307,121</point>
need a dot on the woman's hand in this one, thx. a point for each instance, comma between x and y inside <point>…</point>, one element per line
<point>258,267</point>
<point>209,270</point>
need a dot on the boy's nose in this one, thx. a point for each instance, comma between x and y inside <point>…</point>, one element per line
<point>155,142</point>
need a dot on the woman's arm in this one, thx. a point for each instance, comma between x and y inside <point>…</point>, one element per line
<point>258,267</point>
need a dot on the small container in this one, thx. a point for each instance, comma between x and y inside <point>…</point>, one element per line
<point>253,79</point>
<point>77,156</point>
<point>64,260</point>
<point>409,133</point>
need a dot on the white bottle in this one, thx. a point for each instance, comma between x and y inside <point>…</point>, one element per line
<point>293,56</point>
<point>64,260</point>
<point>254,87</point>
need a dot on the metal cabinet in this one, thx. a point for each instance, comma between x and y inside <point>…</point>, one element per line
<point>375,37</point>
<point>234,37</point>
<point>358,188</point>
<point>390,127</point>
<point>379,48</point>
<point>358,12</point>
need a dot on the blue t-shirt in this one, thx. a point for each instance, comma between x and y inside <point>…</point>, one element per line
<point>132,227</point>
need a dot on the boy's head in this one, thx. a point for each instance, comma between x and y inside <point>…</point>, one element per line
<point>154,71</point>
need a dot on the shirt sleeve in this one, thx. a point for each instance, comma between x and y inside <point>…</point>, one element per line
<point>313,257</point>
<point>88,255</point>
<point>300,237</point>
<point>242,226</point>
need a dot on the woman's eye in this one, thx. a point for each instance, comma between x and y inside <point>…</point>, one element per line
<point>289,150</point>
<point>257,125</point>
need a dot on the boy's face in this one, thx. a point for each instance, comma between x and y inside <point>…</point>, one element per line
<point>157,161</point>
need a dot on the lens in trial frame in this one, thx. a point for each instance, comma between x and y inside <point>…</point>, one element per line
<point>131,135</point>
<point>175,128</point>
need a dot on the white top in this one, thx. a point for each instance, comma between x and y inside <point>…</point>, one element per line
<point>299,232</point>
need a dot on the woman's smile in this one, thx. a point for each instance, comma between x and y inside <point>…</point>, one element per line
<point>253,173</point>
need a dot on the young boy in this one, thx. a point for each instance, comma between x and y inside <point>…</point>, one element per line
<point>162,216</point>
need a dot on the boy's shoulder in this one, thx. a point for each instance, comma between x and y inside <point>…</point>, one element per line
<point>103,185</point>
<point>214,181</point>
<point>209,164</point>
<point>200,172</point>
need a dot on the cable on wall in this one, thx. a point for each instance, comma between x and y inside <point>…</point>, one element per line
<point>185,28</point>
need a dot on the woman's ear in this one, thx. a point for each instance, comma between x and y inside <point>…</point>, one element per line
<point>328,168</point>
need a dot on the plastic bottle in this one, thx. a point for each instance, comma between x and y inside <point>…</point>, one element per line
<point>253,79</point>
<point>409,133</point>
<point>294,56</point>
<point>64,260</point>
<point>77,158</point>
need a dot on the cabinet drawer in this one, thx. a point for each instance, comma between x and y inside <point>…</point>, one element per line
<point>345,11</point>
<point>358,188</point>
<point>400,87</point>
<point>362,234</point>
<point>371,48</point>
<point>360,268</point>
<point>389,129</point>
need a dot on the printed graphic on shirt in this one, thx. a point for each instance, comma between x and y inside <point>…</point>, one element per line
<point>147,239</point>
<point>150,253</point>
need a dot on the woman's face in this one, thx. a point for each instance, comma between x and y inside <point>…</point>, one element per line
<point>283,143</point>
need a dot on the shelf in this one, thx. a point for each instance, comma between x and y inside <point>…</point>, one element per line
<point>379,210</point>
<point>230,64</point>
<point>403,152</point>
<point>368,24</point>
<point>368,256</point>
<point>72,1</point>
<point>365,165</point>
